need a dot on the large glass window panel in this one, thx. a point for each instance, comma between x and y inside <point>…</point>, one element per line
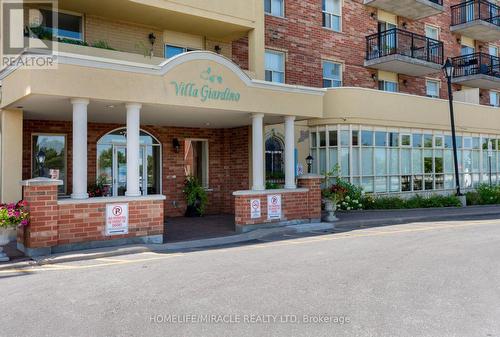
<point>51,148</point>
<point>418,183</point>
<point>344,138</point>
<point>394,161</point>
<point>380,138</point>
<point>394,184</point>
<point>314,141</point>
<point>105,164</point>
<point>332,74</point>
<point>380,184</point>
<point>380,162</point>
<point>367,184</point>
<point>68,26</point>
<point>322,161</point>
<point>334,158</point>
<point>417,162</point>
<point>367,138</point>
<point>406,161</point>
<point>467,155</point>
<point>475,161</point>
<point>405,140</point>
<point>355,138</point>
<point>417,140</point>
<point>448,142</point>
<point>438,161</point>
<point>393,139</point>
<point>428,182</point>
<point>476,143</point>
<point>333,138</point>
<point>367,161</point>
<point>344,152</point>
<point>427,140</point>
<point>439,181</point>
<point>467,142</point>
<point>405,183</point>
<point>355,161</point>
<point>428,161</point>
<point>449,181</point>
<point>322,138</point>
<point>448,161</point>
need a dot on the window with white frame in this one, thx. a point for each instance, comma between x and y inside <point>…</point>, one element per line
<point>384,160</point>
<point>495,98</point>
<point>274,7</point>
<point>332,14</point>
<point>387,86</point>
<point>48,160</point>
<point>68,26</point>
<point>432,88</point>
<point>196,160</point>
<point>332,74</point>
<point>275,66</point>
<point>171,50</point>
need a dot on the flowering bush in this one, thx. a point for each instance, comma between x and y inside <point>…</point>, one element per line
<point>14,214</point>
<point>100,188</point>
<point>345,195</point>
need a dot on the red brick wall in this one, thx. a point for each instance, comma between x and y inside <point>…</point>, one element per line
<point>86,222</point>
<point>306,43</point>
<point>52,224</point>
<point>296,205</point>
<point>228,159</point>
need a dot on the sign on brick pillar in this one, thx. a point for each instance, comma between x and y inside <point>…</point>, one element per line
<point>42,232</point>
<point>313,183</point>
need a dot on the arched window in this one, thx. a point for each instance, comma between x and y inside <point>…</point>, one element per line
<point>112,163</point>
<point>274,158</point>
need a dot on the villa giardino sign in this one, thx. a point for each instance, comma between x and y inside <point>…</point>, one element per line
<point>211,89</point>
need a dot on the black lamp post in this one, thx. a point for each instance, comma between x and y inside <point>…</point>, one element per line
<point>448,69</point>
<point>309,161</point>
<point>41,161</point>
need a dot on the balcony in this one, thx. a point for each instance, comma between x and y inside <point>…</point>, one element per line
<point>477,19</point>
<point>411,9</point>
<point>477,70</point>
<point>403,52</point>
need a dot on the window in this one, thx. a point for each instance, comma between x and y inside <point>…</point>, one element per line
<point>171,51</point>
<point>69,26</point>
<point>495,98</point>
<point>388,86</point>
<point>332,14</point>
<point>432,32</point>
<point>274,7</point>
<point>196,160</point>
<point>332,74</point>
<point>493,50</point>
<point>49,158</point>
<point>275,66</point>
<point>274,158</point>
<point>432,88</point>
<point>466,50</point>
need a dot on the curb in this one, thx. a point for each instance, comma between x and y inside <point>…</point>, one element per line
<point>167,247</point>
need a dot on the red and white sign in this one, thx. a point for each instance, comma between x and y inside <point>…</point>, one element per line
<point>116,219</point>
<point>255,209</point>
<point>274,207</point>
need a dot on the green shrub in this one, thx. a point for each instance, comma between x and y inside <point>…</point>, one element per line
<point>488,195</point>
<point>473,198</point>
<point>272,186</point>
<point>393,202</point>
<point>102,45</point>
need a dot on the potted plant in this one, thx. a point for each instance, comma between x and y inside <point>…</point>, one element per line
<point>196,197</point>
<point>331,197</point>
<point>100,188</point>
<point>11,216</point>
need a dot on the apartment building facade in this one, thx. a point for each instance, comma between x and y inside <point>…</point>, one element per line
<point>148,92</point>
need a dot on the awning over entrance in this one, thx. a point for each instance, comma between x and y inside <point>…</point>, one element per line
<point>193,89</point>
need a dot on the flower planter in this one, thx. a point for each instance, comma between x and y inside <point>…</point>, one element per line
<point>5,235</point>
<point>330,208</point>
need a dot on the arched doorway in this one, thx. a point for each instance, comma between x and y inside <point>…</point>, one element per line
<point>274,159</point>
<point>112,163</point>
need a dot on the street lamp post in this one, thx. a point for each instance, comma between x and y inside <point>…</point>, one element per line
<point>309,161</point>
<point>448,73</point>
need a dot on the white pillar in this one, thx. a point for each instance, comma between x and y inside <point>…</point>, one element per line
<point>290,152</point>
<point>133,149</point>
<point>79,148</point>
<point>258,152</point>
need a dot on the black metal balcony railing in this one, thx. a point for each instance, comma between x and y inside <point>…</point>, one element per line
<point>476,64</point>
<point>475,10</point>
<point>396,41</point>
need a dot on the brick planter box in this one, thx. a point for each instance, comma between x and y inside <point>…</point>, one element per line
<point>67,224</point>
<point>300,205</point>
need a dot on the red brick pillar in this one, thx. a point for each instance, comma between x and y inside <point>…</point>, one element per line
<point>42,233</point>
<point>313,183</point>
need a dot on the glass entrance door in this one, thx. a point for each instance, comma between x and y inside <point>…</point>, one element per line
<point>120,170</point>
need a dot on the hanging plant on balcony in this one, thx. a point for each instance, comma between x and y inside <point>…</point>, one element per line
<point>196,197</point>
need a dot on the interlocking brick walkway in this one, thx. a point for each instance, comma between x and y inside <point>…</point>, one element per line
<point>183,229</point>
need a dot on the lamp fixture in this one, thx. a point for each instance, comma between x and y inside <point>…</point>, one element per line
<point>374,77</point>
<point>404,24</point>
<point>152,38</point>
<point>176,145</point>
<point>217,49</point>
<point>309,161</point>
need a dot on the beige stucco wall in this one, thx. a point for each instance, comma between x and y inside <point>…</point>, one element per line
<point>373,107</point>
<point>11,145</point>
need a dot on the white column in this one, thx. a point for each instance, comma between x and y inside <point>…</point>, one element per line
<point>133,149</point>
<point>79,148</point>
<point>258,152</point>
<point>290,152</point>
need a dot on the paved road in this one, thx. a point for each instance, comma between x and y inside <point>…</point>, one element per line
<point>421,279</point>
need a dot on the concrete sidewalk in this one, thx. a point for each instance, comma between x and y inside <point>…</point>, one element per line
<point>353,220</point>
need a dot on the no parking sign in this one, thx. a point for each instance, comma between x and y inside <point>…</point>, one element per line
<point>255,209</point>
<point>274,207</point>
<point>116,219</point>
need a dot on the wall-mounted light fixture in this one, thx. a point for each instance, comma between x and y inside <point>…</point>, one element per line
<point>374,77</point>
<point>373,15</point>
<point>217,49</point>
<point>176,145</point>
<point>405,83</point>
<point>152,38</point>
<point>404,24</point>
<point>459,40</point>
